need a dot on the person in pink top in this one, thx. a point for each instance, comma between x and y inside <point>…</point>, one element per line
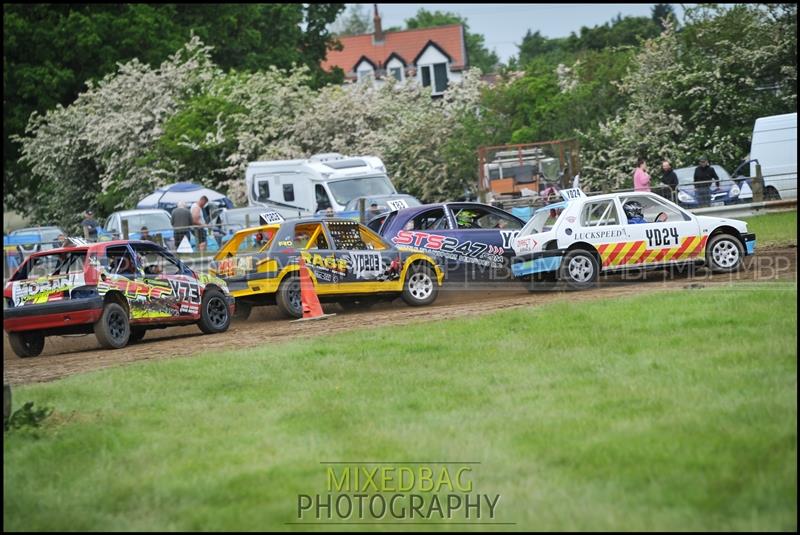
<point>641,180</point>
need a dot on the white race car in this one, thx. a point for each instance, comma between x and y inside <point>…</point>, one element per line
<point>579,238</point>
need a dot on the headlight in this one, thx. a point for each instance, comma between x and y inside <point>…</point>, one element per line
<point>734,191</point>
<point>684,197</point>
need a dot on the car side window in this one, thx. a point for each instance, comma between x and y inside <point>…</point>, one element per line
<point>434,219</point>
<point>654,210</point>
<point>310,236</point>
<point>155,262</point>
<point>601,213</point>
<point>348,235</point>
<point>120,262</point>
<point>484,218</point>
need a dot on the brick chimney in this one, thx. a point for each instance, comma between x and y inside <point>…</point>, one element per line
<point>377,37</point>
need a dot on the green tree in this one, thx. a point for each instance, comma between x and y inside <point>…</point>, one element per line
<point>477,54</point>
<point>355,20</point>
<point>51,51</point>
<point>662,13</point>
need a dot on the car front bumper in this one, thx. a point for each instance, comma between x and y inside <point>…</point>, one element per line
<point>749,243</point>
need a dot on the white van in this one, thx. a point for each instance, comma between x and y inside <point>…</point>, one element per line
<point>774,145</point>
<point>297,188</point>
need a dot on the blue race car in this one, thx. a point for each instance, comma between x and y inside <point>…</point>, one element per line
<point>470,241</point>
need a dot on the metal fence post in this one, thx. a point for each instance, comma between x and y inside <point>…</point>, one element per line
<point>757,185</point>
<point>124,229</point>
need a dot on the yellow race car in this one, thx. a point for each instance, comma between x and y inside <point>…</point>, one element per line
<point>348,264</point>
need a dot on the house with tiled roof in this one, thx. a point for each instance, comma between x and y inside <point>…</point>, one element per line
<point>432,57</point>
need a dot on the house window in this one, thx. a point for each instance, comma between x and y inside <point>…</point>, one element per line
<point>435,74</point>
<point>365,75</point>
<point>397,72</point>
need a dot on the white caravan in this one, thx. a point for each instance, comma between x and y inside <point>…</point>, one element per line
<point>297,188</point>
<point>774,145</point>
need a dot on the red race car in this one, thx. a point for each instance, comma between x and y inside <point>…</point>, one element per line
<point>117,289</point>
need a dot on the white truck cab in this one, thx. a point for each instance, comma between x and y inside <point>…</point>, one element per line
<point>298,188</point>
<point>774,145</point>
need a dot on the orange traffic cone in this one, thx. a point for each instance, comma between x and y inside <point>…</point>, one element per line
<point>312,310</point>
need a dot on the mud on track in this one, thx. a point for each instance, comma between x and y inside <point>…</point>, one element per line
<point>64,356</point>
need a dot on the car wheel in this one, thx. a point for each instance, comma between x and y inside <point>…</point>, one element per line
<point>420,286</point>
<point>288,298</point>
<point>214,314</point>
<point>724,253</point>
<point>579,269</point>
<point>242,310</point>
<point>26,345</point>
<point>137,333</point>
<point>113,329</point>
<point>771,194</point>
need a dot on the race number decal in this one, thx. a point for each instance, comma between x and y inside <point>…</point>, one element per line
<point>397,204</point>
<point>572,193</point>
<point>270,217</point>
<point>662,237</point>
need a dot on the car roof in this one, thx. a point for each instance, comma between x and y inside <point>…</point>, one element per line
<point>141,211</point>
<point>92,246</point>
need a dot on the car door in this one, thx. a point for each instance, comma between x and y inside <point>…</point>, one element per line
<point>484,235</point>
<point>313,242</point>
<point>668,235</point>
<point>172,291</point>
<point>430,231</point>
<point>371,264</point>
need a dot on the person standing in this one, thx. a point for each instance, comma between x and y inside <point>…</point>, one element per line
<point>641,180</point>
<point>704,174</point>
<point>89,226</point>
<point>198,221</point>
<point>181,221</point>
<point>669,178</point>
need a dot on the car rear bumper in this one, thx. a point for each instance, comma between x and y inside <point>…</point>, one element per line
<point>52,315</point>
<point>540,262</point>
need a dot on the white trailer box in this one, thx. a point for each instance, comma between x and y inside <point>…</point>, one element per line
<point>774,145</point>
<point>297,188</point>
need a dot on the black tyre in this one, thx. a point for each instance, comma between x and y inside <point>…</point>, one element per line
<point>771,194</point>
<point>579,269</point>
<point>214,314</point>
<point>288,298</point>
<point>420,287</point>
<point>242,310</point>
<point>26,345</point>
<point>724,253</point>
<point>113,330</point>
<point>137,333</point>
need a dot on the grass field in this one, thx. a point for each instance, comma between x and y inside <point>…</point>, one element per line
<point>669,411</point>
<point>774,229</point>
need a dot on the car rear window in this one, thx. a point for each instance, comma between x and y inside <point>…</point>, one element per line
<point>50,265</point>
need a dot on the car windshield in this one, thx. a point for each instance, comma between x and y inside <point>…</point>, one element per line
<point>154,222</point>
<point>237,217</point>
<point>346,190</point>
<point>45,234</point>
<point>51,264</point>
<point>544,219</point>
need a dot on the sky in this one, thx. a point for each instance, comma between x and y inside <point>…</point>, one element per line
<point>504,25</point>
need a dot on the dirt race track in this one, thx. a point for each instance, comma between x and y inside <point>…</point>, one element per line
<point>65,356</point>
